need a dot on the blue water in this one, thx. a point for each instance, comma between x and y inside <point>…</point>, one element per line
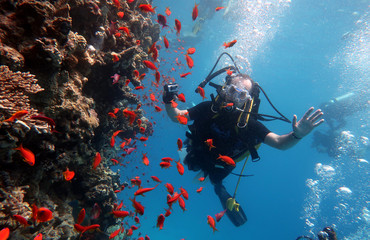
<point>302,53</point>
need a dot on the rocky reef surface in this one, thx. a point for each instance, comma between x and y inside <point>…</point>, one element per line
<point>56,61</point>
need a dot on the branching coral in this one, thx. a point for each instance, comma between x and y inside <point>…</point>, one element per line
<point>15,89</point>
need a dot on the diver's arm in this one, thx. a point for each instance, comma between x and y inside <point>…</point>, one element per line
<point>173,112</point>
<point>300,129</point>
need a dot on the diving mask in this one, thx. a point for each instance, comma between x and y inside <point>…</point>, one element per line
<point>236,94</point>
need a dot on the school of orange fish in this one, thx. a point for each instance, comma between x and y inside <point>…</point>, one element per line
<point>41,214</point>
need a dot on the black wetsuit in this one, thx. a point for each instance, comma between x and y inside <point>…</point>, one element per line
<point>221,128</point>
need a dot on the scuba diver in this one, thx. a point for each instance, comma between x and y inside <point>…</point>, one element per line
<point>327,233</point>
<point>336,110</point>
<point>228,126</point>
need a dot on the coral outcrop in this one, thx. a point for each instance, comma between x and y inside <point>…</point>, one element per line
<point>57,58</point>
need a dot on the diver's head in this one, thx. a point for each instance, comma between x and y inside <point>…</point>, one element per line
<point>237,89</point>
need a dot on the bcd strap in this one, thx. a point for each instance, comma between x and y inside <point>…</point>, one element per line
<point>253,153</point>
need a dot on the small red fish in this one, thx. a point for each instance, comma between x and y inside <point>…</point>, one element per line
<point>201,179</point>
<point>46,119</point>
<point>219,8</point>
<point>185,74</point>
<point>4,233</point>
<point>179,144</point>
<point>81,216</point>
<point>150,65</point>
<point>190,51</point>
<point>68,175</point>
<point>139,88</point>
<point>147,8</point>
<point>157,109</point>
<point>115,58</point>
<point>209,143</point>
<point>170,188</point>
<point>168,212</point>
<point>182,119</point>
<point>120,214</point>
<point>38,237</point>
<point>16,115</point>
<point>167,159</point>
<point>137,220</point>
<point>229,72</point>
<point>182,203</point>
<point>227,160</point>
<point>160,221</point>
<point>180,167</point>
<point>194,14</point>
<point>189,61</point>
<point>138,207</point>
<point>145,159</point>
<point>220,215</point>
<point>211,223</point>
<point>199,189</point>
<point>156,179</point>
<point>181,97</point>
<point>120,14</point>
<point>141,191</point>
<point>165,41</point>
<point>116,3</point>
<point>143,139</point>
<point>136,73</point>
<point>97,160</point>
<point>165,164</point>
<point>157,77</point>
<point>162,20</point>
<point>177,27</point>
<point>168,11</point>
<point>228,105</point>
<point>229,44</point>
<point>114,234</point>
<point>22,220</point>
<point>201,92</point>
<point>44,215</point>
<point>126,30</point>
<point>27,155</point>
<point>184,193</point>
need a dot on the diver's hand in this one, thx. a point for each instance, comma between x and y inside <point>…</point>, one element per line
<point>307,123</point>
<point>169,93</point>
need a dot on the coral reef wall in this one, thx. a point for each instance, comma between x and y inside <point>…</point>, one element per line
<point>57,59</point>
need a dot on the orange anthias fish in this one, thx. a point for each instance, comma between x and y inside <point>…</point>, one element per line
<point>147,8</point>
<point>16,115</point>
<point>150,65</point>
<point>38,237</point>
<point>156,179</point>
<point>199,189</point>
<point>22,220</point>
<point>211,223</point>
<point>97,160</point>
<point>229,72</point>
<point>177,27</point>
<point>157,77</point>
<point>27,155</point>
<point>227,160</point>
<point>157,109</point>
<point>120,14</point>
<point>229,44</point>
<point>194,14</point>
<point>181,97</point>
<point>114,234</point>
<point>145,159</point>
<point>44,215</point>
<point>179,144</point>
<point>201,92</point>
<point>138,207</point>
<point>180,167</point>
<point>68,175</point>
<point>165,164</point>
<point>182,203</point>
<point>115,58</point>
<point>182,119</point>
<point>126,30</point>
<point>190,51</point>
<point>185,74</point>
<point>174,104</point>
<point>141,191</point>
<point>165,41</point>
<point>81,216</point>
<point>112,140</point>
<point>116,3</point>
<point>219,8</point>
<point>168,11</point>
<point>201,179</point>
<point>184,193</point>
<point>209,143</point>
<point>160,221</point>
<point>120,214</point>
<point>220,215</point>
<point>189,61</point>
<point>4,233</point>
